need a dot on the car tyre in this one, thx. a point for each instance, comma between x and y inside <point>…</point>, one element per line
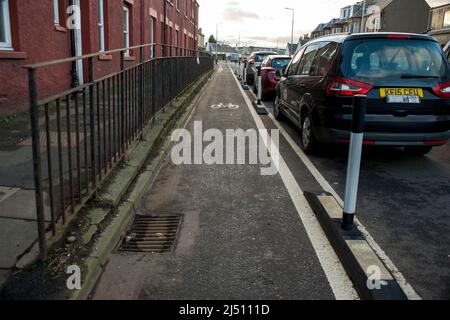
<point>308,141</point>
<point>277,110</point>
<point>418,150</point>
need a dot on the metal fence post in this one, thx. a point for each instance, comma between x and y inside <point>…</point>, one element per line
<point>122,101</point>
<point>37,167</point>
<point>92,121</point>
<point>354,161</point>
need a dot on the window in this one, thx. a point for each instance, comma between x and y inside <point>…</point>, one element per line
<point>381,59</point>
<point>186,8</point>
<point>152,35</point>
<point>5,26</point>
<point>56,19</point>
<point>324,59</point>
<point>292,69</point>
<point>178,4</point>
<point>280,63</point>
<point>126,29</point>
<point>101,26</point>
<point>355,27</point>
<point>447,19</point>
<point>305,65</point>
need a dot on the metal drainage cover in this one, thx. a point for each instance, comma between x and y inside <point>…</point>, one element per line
<point>152,234</point>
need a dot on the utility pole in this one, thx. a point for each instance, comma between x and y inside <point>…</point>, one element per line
<point>292,32</point>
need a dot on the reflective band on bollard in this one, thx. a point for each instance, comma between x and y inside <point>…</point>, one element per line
<point>354,161</point>
<point>245,74</point>
<point>259,83</point>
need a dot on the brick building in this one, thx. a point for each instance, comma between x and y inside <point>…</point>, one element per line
<point>34,31</point>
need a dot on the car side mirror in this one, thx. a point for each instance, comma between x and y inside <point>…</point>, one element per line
<point>280,73</point>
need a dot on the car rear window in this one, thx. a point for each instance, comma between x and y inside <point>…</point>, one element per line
<point>371,60</point>
<point>280,63</point>
<point>261,56</point>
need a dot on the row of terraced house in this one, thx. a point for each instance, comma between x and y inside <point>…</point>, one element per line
<point>379,16</point>
<point>35,31</point>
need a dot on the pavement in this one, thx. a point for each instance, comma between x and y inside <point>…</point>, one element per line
<point>244,235</point>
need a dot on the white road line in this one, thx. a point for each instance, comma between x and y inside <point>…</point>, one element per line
<point>403,283</point>
<point>340,284</point>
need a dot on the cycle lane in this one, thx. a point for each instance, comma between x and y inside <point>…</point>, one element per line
<point>241,237</point>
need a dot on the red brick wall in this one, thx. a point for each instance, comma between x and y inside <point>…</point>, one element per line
<point>36,39</point>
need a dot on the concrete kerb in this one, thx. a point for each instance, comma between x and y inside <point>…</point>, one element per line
<point>361,263</point>
<point>143,178</point>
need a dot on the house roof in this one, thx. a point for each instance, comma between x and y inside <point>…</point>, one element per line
<point>319,27</point>
<point>437,3</point>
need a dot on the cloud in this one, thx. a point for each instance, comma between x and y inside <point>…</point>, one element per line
<point>236,15</point>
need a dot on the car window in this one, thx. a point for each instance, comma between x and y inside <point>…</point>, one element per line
<point>292,69</point>
<point>378,59</point>
<point>307,60</point>
<point>261,56</point>
<point>324,59</point>
<point>280,63</point>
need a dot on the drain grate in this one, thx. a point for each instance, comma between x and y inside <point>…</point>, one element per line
<point>152,234</point>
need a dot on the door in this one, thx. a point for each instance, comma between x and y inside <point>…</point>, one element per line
<point>78,41</point>
<point>300,83</point>
<point>287,86</point>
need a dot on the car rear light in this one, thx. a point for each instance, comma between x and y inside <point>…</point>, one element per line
<point>398,36</point>
<point>347,87</point>
<point>435,142</point>
<point>442,90</point>
<point>271,73</point>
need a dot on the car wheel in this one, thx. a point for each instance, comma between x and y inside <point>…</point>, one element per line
<point>307,140</point>
<point>277,109</point>
<point>418,150</point>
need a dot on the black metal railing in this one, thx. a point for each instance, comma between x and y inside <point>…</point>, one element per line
<point>79,136</point>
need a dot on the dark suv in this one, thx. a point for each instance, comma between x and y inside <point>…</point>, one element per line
<point>405,77</point>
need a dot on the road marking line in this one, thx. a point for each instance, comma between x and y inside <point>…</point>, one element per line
<point>338,280</point>
<point>401,280</point>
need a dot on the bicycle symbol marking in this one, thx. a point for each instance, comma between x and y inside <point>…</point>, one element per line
<point>225,106</point>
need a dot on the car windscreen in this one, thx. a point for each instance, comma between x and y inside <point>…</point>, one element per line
<point>261,56</point>
<point>372,60</point>
<point>280,63</point>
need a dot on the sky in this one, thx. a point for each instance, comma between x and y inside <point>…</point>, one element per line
<point>266,22</point>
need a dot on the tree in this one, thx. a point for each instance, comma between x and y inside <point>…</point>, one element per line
<point>212,39</point>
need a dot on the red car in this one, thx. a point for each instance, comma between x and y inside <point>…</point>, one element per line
<point>269,78</point>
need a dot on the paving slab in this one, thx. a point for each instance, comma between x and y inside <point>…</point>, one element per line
<point>6,192</point>
<point>22,205</point>
<point>19,234</point>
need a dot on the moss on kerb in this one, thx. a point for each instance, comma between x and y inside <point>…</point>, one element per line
<point>113,192</point>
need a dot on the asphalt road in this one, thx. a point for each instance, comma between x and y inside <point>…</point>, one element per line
<point>403,201</point>
<point>244,235</point>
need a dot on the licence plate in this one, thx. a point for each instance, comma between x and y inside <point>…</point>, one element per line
<point>403,99</point>
<point>401,95</point>
<point>384,92</point>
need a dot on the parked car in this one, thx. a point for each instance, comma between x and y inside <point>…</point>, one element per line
<point>255,60</point>
<point>406,79</point>
<point>269,78</point>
